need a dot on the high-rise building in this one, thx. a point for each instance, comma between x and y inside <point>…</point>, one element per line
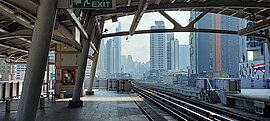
<point>171,51</point>
<point>107,57</point>
<point>173,54</point>
<point>20,71</point>
<point>158,48</point>
<point>215,53</point>
<point>21,68</point>
<point>7,71</point>
<point>113,54</point>
<point>118,53</point>
<point>184,57</point>
<point>201,51</point>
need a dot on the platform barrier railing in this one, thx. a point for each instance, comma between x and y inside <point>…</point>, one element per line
<point>10,90</point>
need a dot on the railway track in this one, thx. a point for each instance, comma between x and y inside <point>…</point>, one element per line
<point>186,109</point>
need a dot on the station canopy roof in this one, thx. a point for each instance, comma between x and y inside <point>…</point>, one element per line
<point>17,18</point>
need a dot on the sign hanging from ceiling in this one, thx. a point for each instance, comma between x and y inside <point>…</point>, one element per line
<point>94,4</point>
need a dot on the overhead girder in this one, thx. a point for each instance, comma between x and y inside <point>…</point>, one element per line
<point>179,28</point>
<point>4,50</point>
<point>11,14</point>
<point>254,28</point>
<point>90,38</point>
<point>14,48</point>
<point>92,45</point>
<point>55,38</point>
<point>192,23</point>
<point>24,6</point>
<point>177,5</point>
<point>129,3</point>
<point>138,15</point>
<point>76,22</point>
<point>99,25</point>
<point>30,8</point>
<point>169,30</point>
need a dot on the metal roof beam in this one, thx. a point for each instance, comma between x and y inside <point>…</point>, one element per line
<point>11,14</point>
<point>71,15</point>
<point>176,24</point>
<point>14,48</point>
<point>170,30</point>
<point>68,42</point>
<point>172,1</point>
<point>16,34</point>
<point>175,5</point>
<point>252,29</point>
<point>92,45</point>
<point>192,23</point>
<point>26,6</point>
<point>55,38</point>
<point>129,3</point>
<point>30,8</point>
<point>142,6</point>
<point>157,1</point>
<point>180,30</point>
<point>212,4</point>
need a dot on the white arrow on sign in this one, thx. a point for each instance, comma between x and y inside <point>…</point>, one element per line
<point>77,1</point>
<point>86,2</point>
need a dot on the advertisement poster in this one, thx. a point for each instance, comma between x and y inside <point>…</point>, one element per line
<point>68,76</point>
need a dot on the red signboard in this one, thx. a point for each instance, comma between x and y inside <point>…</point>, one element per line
<point>68,76</point>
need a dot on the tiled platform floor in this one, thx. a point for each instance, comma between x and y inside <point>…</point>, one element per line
<point>103,106</point>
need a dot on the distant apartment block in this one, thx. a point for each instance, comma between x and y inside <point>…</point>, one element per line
<point>184,57</point>
<point>158,48</point>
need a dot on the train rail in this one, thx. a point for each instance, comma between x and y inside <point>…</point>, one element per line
<point>186,109</point>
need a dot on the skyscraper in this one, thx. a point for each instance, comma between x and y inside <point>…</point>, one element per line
<point>173,54</point>
<point>184,57</point>
<point>108,56</point>
<point>118,53</point>
<point>20,71</point>
<point>170,37</point>
<point>7,71</point>
<point>201,52</point>
<point>113,54</point>
<point>215,53</point>
<point>158,48</point>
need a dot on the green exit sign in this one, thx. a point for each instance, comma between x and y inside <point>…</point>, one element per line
<point>94,4</point>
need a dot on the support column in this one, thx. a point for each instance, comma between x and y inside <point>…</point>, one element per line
<point>76,102</point>
<point>47,80</point>
<point>92,75</point>
<point>268,41</point>
<point>95,61</point>
<point>37,59</point>
<point>268,45</point>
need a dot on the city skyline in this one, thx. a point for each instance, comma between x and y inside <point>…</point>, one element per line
<point>138,45</point>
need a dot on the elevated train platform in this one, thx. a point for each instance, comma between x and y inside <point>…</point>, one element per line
<point>30,29</point>
<point>103,106</point>
<point>252,100</point>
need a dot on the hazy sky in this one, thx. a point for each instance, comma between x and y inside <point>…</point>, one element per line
<point>139,45</point>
